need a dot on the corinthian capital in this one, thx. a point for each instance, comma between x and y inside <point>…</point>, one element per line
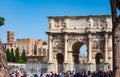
<point>89,36</point>
<point>106,35</point>
<point>50,37</point>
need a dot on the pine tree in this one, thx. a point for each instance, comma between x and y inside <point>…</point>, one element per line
<point>2,21</point>
<point>12,59</point>
<point>23,57</point>
<point>8,55</point>
<point>17,56</point>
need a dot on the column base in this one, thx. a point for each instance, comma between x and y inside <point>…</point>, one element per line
<point>89,62</point>
<point>65,62</point>
<point>50,68</point>
<point>106,66</point>
<point>50,62</point>
<point>90,66</point>
<point>65,66</point>
<point>106,62</point>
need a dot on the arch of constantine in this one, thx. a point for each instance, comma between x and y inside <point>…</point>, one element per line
<point>66,34</point>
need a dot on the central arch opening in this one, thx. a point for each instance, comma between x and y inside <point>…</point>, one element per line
<point>79,55</point>
<point>79,52</point>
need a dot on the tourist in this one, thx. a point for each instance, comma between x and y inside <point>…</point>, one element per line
<point>89,74</point>
<point>61,75</point>
<point>18,74</point>
<point>47,75</point>
<point>35,75</point>
<point>13,74</point>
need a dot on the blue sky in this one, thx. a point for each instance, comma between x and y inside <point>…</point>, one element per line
<point>28,18</point>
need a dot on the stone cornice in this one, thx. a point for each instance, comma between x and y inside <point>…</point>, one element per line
<point>80,31</point>
<point>49,17</point>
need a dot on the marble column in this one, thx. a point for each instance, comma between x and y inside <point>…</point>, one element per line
<point>106,48</point>
<point>65,48</point>
<point>89,42</point>
<point>89,48</point>
<point>50,47</point>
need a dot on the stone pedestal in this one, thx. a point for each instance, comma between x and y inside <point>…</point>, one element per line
<point>66,67</point>
<point>91,67</point>
<point>50,67</point>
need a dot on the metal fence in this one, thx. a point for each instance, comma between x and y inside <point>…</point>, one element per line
<point>37,67</point>
<point>43,67</point>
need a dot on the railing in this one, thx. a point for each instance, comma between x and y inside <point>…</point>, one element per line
<point>43,67</point>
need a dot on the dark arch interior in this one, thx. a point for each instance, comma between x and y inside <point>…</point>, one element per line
<point>60,58</point>
<point>99,58</point>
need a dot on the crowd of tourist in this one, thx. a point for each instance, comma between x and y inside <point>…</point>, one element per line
<point>82,74</point>
<point>67,74</point>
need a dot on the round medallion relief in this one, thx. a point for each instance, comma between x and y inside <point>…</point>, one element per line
<point>56,43</point>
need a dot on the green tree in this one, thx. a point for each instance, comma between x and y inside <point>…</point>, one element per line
<point>2,21</point>
<point>17,56</point>
<point>8,55</point>
<point>12,59</point>
<point>23,57</point>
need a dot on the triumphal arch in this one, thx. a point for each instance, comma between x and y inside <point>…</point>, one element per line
<point>66,34</point>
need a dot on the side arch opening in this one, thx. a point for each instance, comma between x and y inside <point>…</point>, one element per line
<point>60,60</point>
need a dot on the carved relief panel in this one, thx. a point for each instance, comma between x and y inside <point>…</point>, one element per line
<point>62,23</point>
<point>98,44</point>
<point>56,23</point>
<point>59,23</point>
<point>99,22</point>
<point>58,43</point>
<point>95,44</point>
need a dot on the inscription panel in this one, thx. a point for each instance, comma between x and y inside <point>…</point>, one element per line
<point>78,23</point>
